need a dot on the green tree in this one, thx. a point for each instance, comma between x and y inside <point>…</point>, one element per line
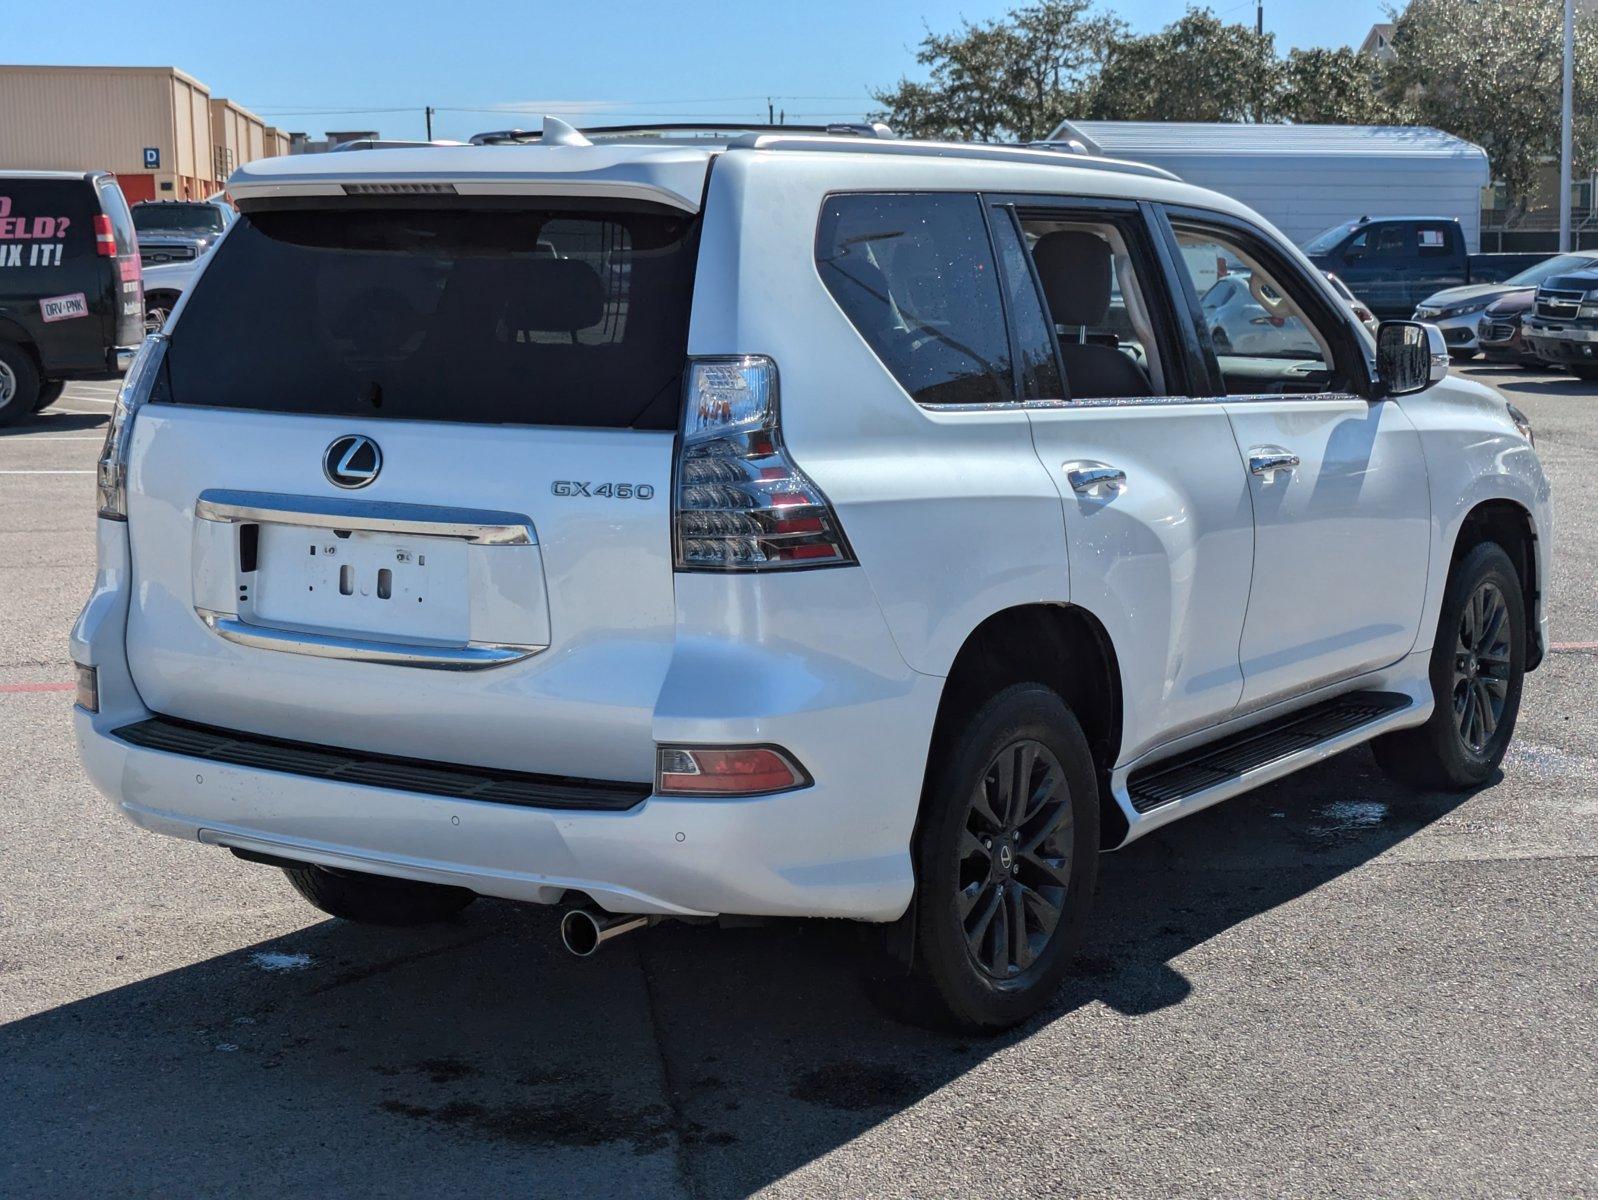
<point>1333,87</point>
<point>1198,68</point>
<point>1013,78</point>
<point>1489,71</point>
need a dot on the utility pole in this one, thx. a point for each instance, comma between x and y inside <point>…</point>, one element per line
<point>1259,18</point>
<point>1565,163</point>
<point>770,116</point>
<point>429,112</point>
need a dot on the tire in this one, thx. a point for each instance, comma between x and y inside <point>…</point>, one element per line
<point>1584,372</point>
<point>377,899</point>
<point>49,392</point>
<point>993,980</point>
<point>19,383</point>
<point>1478,664</point>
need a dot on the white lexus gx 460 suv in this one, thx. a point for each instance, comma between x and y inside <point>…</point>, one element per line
<point>806,524</point>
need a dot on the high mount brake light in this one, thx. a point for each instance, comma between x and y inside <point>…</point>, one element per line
<point>726,771</point>
<point>137,384</point>
<point>742,504</point>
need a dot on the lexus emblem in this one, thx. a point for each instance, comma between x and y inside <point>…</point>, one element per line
<point>352,461</point>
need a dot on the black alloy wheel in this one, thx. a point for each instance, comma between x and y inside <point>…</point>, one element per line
<point>1482,666</point>
<point>1015,860</point>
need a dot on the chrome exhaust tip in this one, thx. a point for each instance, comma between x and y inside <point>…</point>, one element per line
<point>584,930</point>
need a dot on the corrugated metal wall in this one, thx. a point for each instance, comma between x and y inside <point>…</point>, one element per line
<point>70,119</point>
<point>1302,196</point>
<point>104,118</point>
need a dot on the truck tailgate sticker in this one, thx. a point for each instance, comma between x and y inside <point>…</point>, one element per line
<point>64,308</point>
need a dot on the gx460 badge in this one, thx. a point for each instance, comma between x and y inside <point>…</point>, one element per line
<point>618,491</point>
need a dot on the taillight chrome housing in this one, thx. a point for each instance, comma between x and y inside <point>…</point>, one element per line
<point>137,384</point>
<point>741,503</point>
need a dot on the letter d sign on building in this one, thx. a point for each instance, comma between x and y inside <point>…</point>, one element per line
<point>152,158</point>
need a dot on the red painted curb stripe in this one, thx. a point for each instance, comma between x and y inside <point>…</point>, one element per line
<point>37,687</point>
<point>1570,647</point>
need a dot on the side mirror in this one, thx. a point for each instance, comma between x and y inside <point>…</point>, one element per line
<point>1410,357</point>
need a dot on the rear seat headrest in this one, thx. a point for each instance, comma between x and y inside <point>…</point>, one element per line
<point>561,295</point>
<point>1074,266</point>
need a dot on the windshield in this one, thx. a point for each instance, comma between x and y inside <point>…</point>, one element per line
<point>490,314</point>
<point>1557,265</point>
<point>183,218</point>
<point>1328,238</point>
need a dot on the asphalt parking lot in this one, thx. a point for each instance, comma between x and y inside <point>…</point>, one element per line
<point>1330,987</point>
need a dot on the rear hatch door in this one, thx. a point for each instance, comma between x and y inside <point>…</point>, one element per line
<point>404,484</point>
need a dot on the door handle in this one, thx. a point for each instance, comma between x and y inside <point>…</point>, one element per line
<point>1265,461</point>
<point>1092,477</point>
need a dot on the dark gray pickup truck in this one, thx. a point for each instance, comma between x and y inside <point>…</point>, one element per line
<point>1393,263</point>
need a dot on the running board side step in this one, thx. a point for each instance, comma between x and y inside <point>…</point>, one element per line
<point>1263,750</point>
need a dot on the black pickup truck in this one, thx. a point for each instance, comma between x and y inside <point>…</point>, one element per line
<point>1393,263</point>
<point>71,289</point>
<point>1562,326</point>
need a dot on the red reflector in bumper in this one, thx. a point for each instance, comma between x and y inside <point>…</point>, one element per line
<point>726,771</point>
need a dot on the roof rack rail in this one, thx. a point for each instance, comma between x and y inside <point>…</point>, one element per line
<point>707,129</point>
<point>1038,155</point>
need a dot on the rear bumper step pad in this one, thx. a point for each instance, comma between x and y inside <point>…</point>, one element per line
<point>382,771</point>
<point>1220,762</point>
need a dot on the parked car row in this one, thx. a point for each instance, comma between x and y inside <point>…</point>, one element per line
<point>1480,302</point>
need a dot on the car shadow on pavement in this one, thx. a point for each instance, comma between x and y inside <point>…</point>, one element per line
<point>474,1057</point>
<point>57,422</point>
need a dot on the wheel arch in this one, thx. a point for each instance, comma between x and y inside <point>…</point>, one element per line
<point>17,334</point>
<point>1510,525</point>
<point>1066,648</point>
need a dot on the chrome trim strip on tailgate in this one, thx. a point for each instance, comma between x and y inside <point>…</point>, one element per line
<point>480,527</point>
<point>472,656</point>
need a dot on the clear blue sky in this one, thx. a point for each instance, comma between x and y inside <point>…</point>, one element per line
<point>307,65</point>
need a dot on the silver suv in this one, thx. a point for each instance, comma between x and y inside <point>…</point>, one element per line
<point>780,525</point>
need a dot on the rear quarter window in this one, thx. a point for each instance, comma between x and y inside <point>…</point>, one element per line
<point>490,315</point>
<point>915,275</point>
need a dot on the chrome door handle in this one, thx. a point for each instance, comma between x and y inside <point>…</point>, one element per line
<point>1091,477</point>
<point>1265,461</point>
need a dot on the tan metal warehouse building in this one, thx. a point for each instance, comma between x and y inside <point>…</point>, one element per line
<point>156,128</point>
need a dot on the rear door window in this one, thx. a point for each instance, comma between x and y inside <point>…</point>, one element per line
<point>915,275</point>
<point>549,316</point>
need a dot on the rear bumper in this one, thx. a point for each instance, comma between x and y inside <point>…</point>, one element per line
<point>833,692</point>
<point>787,855</point>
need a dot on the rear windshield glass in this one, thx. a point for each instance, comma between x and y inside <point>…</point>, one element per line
<point>43,222</point>
<point>177,218</point>
<point>488,315</point>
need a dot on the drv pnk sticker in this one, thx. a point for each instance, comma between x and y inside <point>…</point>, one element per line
<point>64,308</point>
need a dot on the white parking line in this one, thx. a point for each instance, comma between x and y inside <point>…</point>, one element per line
<point>81,399</point>
<point>4,472</point>
<point>54,437</point>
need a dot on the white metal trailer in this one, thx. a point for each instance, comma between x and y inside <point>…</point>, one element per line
<point>1304,178</point>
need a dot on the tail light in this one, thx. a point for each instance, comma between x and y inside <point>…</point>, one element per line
<point>137,384</point>
<point>742,504</point>
<point>105,241</point>
<point>726,771</point>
